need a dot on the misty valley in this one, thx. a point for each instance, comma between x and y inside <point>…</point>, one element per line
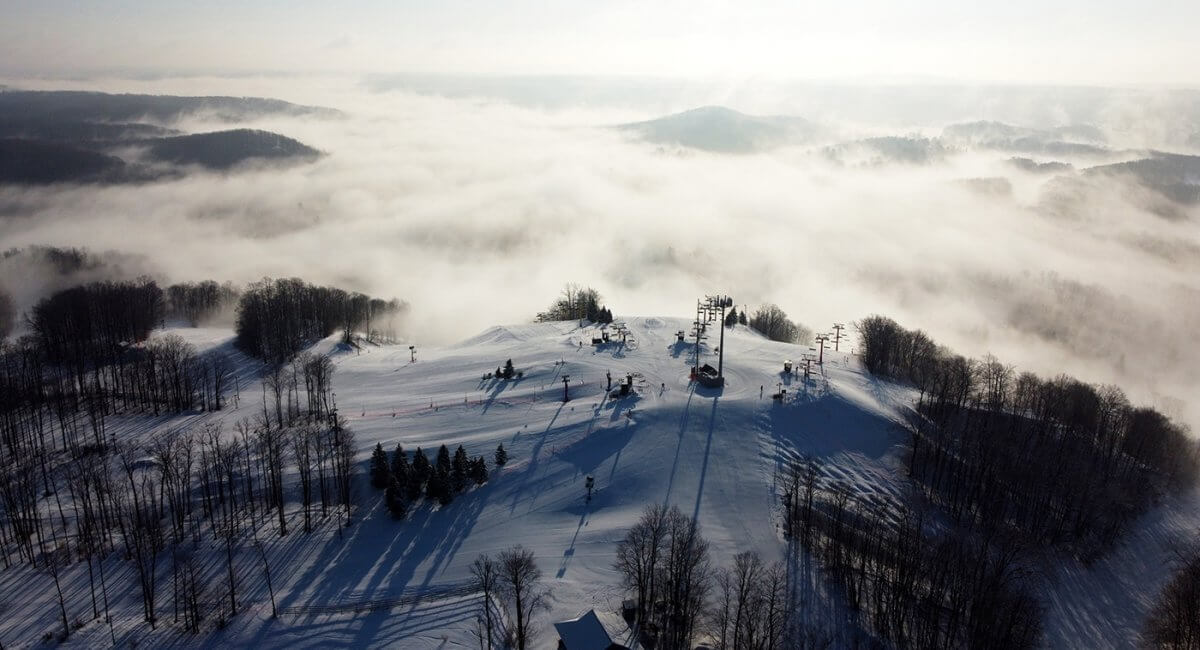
<point>442,361</point>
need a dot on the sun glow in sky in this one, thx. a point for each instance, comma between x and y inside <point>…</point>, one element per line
<point>1064,41</point>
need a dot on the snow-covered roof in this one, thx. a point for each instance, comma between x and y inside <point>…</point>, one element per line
<point>585,632</point>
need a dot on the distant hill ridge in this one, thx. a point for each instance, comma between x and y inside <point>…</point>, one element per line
<point>724,130</point>
<point>225,149</point>
<point>80,137</point>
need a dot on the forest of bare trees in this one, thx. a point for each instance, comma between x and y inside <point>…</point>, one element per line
<point>70,490</point>
<point>773,323</point>
<point>1173,623</point>
<point>276,319</point>
<point>1019,465</point>
<point>908,581</point>
<point>8,314</point>
<point>1055,462</point>
<point>198,303</point>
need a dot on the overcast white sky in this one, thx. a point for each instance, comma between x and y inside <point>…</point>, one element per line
<point>1041,41</point>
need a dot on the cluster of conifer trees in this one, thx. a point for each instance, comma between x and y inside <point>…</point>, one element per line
<point>405,481</point>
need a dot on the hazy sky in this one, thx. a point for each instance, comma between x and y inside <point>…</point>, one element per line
<point>1069,41</point>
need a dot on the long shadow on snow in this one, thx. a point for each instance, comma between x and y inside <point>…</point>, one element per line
<point>829,425</point>
<point>683,421</point>
<point>343,564</point>
<point>712,421</point>
<point>533,456</point>
<point>498,386</point>
<point>441,545</point>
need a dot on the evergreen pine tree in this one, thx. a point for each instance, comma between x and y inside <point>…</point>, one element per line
<point>478,470</point>
<point>401,470</point>
<point>742,319</point>
<point>731,318</point>
<point>419,475</point>
<point>381,474</point>
<point>442,464</point>
<point>459,468</point>
<point>438,487</point>
<point>508,369</point>
<point>394,498</point>
<point>501,455</point>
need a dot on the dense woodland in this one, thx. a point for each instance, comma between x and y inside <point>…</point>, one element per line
<point>72,491</point>
<point>276,319</point>
<point>1016,463</point>
<point>1055,461</point>
<point>1173,621</point>
<point>8,314</point>
<point>907,581</point>
<point>198,303</point>
<point>773,323</point>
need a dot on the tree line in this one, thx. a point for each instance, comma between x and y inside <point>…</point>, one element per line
<point>198,303</point>
<point>276,319</point>
<point>1056,462</point>
<point>773,323</point>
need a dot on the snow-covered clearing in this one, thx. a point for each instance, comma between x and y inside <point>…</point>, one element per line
<point>718,455</point>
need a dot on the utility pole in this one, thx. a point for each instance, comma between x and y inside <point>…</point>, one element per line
<point>566,380</point>
<point>821,339</point>
<point>837,338</point>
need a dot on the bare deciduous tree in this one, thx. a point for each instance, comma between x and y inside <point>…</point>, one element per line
<point>520,582</point>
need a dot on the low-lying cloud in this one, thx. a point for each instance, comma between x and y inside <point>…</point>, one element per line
<point>476,211</point>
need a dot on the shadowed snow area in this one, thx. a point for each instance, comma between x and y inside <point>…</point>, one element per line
<point>718,455</point>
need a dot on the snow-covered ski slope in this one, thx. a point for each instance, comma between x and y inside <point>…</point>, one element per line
<point>715,454</point>
<point>718,455</point>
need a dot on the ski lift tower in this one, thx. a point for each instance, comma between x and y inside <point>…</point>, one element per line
<point>837,338</point>
<point>722,303</point>
<point>706,310</point>
<point>821,340</point>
